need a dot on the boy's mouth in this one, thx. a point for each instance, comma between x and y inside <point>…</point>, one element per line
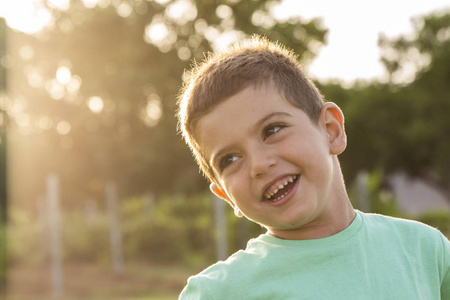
<point>280,188</point>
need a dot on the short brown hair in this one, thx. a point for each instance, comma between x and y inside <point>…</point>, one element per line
<point>252,62</point>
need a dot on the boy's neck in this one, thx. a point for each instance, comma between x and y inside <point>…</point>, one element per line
<point>319,229</point>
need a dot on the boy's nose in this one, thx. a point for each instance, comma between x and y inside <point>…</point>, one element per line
<point>261,161</point>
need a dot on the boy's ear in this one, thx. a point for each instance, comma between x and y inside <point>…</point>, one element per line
<point>219,192</point>
<point>332,119</point>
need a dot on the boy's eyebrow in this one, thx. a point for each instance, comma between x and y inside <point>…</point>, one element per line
<point>214,157</point>
<point>270,116</point>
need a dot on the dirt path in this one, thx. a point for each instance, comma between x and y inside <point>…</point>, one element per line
<point>91,281</point>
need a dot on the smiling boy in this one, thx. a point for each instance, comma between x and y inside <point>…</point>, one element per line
<point>263,135</point>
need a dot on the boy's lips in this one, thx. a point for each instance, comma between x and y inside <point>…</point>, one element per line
<point>279,188</point>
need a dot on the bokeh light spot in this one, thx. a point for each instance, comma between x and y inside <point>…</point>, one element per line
<point>224,11</point>
<point>22,120</point>
<point>181,11</point>
<point>90,3</point>
<point>95,104</point>
<point>45,123</point>
<point>184,53</point>
<point>156,32</point>
<point>63,127</point>
<point>63,75</point>
<point>55,89</point>
<point>26,52</point>
<point>152,112</point>
<point>124,9</point>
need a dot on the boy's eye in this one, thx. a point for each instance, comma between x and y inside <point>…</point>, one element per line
<point>271,129</point>
<point>227,160</point>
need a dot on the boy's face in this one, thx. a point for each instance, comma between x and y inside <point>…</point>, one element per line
<point>272,164</point>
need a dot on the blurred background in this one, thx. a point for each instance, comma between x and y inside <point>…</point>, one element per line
<point>99,196</point>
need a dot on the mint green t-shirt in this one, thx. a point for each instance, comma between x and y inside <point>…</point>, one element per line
<point>376,257</point>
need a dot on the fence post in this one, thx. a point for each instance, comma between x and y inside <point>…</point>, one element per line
<point>149,204</point>
<point>221,228</point>
<point>362,182</point>
<point>115,228</point>
<point>55,233</point>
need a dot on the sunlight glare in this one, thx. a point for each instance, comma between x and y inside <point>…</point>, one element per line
<point>59,4</point>
<point>28,16</point>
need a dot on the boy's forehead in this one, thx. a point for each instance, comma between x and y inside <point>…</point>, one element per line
<point>238,115</point>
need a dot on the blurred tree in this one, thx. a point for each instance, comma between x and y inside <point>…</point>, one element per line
<point>95,93</point>
<point>427,96</point>
<point>403,124</point>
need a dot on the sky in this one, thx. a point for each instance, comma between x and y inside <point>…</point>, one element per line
<point>354,26</point>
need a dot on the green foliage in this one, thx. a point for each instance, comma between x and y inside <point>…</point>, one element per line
<point>439,220</point>
<point>390,126</point>
<point>170,230</point>
<point>400,125</point>
<point>25,239</point>
<point>380,200</point>
<point>85,240</point>
<point>427,96</point>
<point>115,60</point>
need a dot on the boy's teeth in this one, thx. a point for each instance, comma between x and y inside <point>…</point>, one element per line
<point>268,195</point>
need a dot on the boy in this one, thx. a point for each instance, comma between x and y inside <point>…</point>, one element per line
<point>264,137</point>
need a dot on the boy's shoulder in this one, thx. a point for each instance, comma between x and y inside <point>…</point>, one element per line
<point>209,281</point>
<point>240,260</point>
<point>267,263</point>
<point>389,222</point>
<point>375,226</point>
<point>399,228</point>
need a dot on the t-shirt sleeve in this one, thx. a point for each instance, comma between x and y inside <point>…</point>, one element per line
<point>445,285</point>
<point>196,289</point>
